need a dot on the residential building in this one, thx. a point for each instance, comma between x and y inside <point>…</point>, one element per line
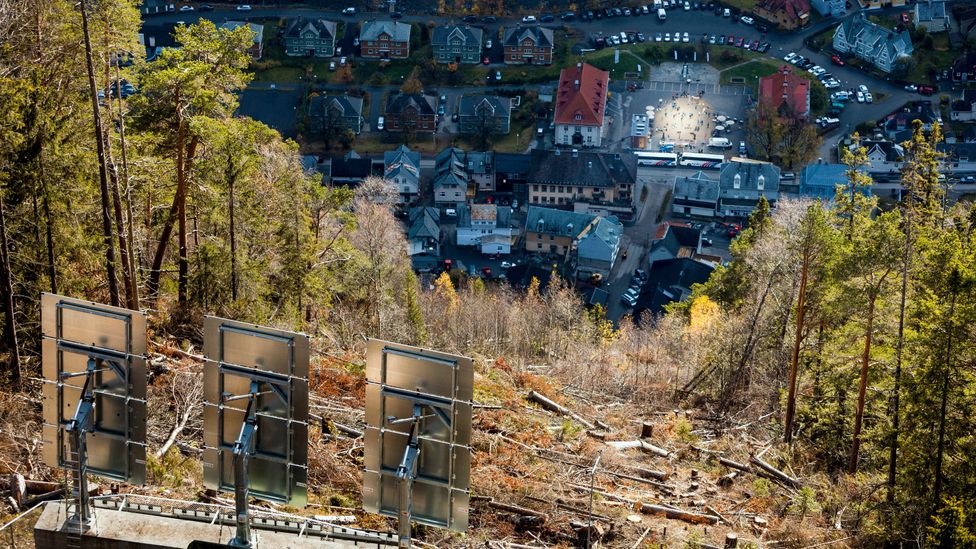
<point>786,14</point>
<point>521,277</point>
<point>309,37</point>
<point>456,44</point>
<point>411,112</point>
<point>883,156</point>
<point>450,178</point>
<point>552,231</point>
<point>964,67</point>
<point>598,248</point>
<point>401,166</point>
<point>640,130</point>
<point>695,195</point>
<point>786,93</point>
<point>960,157</point>
<point>349,170</point>
<point>964,110</point>
<point>932,14</point>
<point>478,114</point>
<point>896,123</point>
<point>830,8</point>
<point>581,102</point>
<point>327,113</point>
<point>871,42</point>
<point>257,42</point>
<point>424,237</point>
<point>674,239</point>
<point>512,174</point>
<point>879,4</point>
<point>486,226</point>
<point>480,167</point>
<point>668,281</point>
<point>563,178</point>
<point>741,184</point>
<point>383,39</point>
<point>969,134</point>
<point>820,181</point>
<point>528,46</point>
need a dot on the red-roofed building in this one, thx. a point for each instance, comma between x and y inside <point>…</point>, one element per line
<point>580,104</point>
<point>786,93</point>
<point>787,14</point>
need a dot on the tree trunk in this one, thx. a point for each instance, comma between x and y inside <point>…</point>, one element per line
<point>113,284</point>
<point>899,347</point>
<point>862,387</point>
<point>940,448</point>
<point>6,288</point>
<point>795,358</point>
<point>130,253</point>
<point>152,284</point>
<point>233,238</point>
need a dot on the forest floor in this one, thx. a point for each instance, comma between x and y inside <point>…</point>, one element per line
<point>540,472</point>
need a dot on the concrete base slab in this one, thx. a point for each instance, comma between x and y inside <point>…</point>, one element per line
<point>128,530</point>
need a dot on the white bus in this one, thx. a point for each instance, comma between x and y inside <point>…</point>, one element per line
<point>698,160</point>
<point>656,159</point>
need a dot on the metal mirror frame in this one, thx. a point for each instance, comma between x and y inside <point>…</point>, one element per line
<point>418,432</point>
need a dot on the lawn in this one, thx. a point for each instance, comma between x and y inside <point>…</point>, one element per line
<point>927,60</point>
<point>743,5</point>
<point>750,73</point>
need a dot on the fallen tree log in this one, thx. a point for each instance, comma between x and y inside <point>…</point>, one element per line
<point>735,465</point>
<point>552,406</point>
<point>659,475</point>
<point>776,473</point>
<point>93,490</point>
<point>509,508</point>
<point>677,514</point>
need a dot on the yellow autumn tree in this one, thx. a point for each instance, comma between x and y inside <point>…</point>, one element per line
<point>445,289</point>
<point>702,315</point>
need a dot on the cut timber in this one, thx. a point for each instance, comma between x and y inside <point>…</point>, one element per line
<point>599,435</point>
<point>18,488</point>
<point>647,429</point>
<point>40,486</point>
<point>550,405</point>
<point>735,465</point>
<point>677,514</point>
<point>508,508</point>
<point>650,473</point>
<point>642,444</point>
<point>776,473</point>
<point>731,540</point>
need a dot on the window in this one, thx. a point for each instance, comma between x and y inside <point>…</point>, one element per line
<point>578,117</point>
<point>579,190</point>
<point>535,199</point>
<point>561,188</point>
<point>737,181</point>
<point>535,188</point>
<point>371,50</point>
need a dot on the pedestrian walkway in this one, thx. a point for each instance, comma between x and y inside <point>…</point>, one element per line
<point>694,87</point>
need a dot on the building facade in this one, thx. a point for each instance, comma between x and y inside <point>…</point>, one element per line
<point>327,112</point>
<point>785,14</point>
<point>384,39</point>
<point>563,178</point>
<point>456,44</point>
<point>741,184</point>
<point>484,113</point>
<point>309,37</point>
<point>528,46</point>
<point>402,167</point>
<point>581,101</point>
<point>411,112</point>
<point>871,42</point>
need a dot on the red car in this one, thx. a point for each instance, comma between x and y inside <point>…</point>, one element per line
<point>738,42</point>
<point>926,90</point>
<point>731,40</point>
<point>837,60</point>
<point>754,46</point>
<point>904,17</point>
<point>486,61</point>
<point>486,271</point>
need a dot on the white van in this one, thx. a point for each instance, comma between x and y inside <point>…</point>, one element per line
<point>720,142</point>
<point>380,124</point>
<point>661,14</point>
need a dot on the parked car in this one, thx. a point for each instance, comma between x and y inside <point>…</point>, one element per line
<point>486,61</point>
<point>711,39</point>
<point>342,61</point>
<point>862,88</point>
<point>726,13</point>
<point>658,37</point>
<point>186,8</point>
<point>738,42</point>
<point>790,57</point>
<point>911,88</point>
<point>470,19</point>
<point>667,37</point>
<point>747,20</point>
<point>488,44</point>
<point>568,16</point>
<point>489,19</point>
<point>926,90</point>
<point>498,75</point>
<point>837,60</point>
<point>244,7</point>
<point>868,98</point>
<point>529,19</point>
<point>380,124</point>
<point>641,37</point>
<point>685,37</point>
<point>349,11</point>
<point>764,47</point>
<point>205,7</point>
<point>731,40</point>
<point>860,96</point>
<point>904,17</point>
<point>547,19</point>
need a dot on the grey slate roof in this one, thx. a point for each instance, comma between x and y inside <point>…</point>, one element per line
<point>396,102</point>
<point>698,187</point>
<point>479,163</point>
<point>601,240</point>
<point>401,160</point>
<point>749,174</point>
<point>878,38</point>
<point>541,35</point>
<point>557,222</point>
<point>670,280</point>
<point>398,32</point>
<point>449,169</point>
<point>930,11</point>
<point>346,104</point>
<point>424,223</point>
<point>582,168</point>
<point>324,30</point>
<point>443,34</point>
<point>498,105</point>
